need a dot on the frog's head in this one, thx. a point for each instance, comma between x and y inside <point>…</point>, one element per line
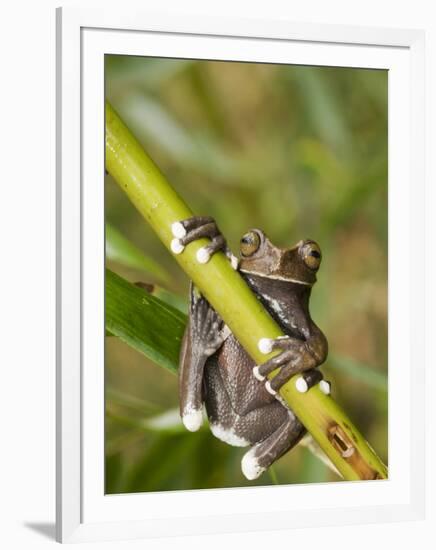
<point>299,264</point>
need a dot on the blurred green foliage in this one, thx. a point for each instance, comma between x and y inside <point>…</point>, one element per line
<point>298,151</point>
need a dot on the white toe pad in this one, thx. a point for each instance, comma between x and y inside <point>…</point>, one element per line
<point>203,255</point>
<point>193,420</point>
<point>265,345</point>
<point>324,386</point>
<point>250,466</point>
<point>257,374</point>
<point>301,385</point>
<point>234,262</point>
<point>176,246</point>
<point>178,230</point>
<point>269,388</point>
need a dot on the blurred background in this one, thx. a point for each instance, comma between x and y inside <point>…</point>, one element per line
<point>298,151</point>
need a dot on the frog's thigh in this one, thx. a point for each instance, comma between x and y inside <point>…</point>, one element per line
<point>261,422</point>
<point>262,455</point>
<point>222,417</point>
<point>245,430</point>
<point>226,424</point>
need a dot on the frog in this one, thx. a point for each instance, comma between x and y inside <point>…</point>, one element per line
<point>243,404</point>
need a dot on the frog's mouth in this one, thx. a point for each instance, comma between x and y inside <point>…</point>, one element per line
<point>276,277</point>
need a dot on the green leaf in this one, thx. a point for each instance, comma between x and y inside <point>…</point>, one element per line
<point>149,325</point>
<point>179,302</point>
<point>119,249</point>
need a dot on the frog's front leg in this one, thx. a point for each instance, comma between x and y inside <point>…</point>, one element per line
<point>297,356</point>
<point>204,334</point>
<point>198,227</point>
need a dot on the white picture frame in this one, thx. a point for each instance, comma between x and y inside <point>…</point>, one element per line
<point>84,513</point>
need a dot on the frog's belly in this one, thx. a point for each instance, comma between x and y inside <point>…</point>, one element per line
<point>240,410</point>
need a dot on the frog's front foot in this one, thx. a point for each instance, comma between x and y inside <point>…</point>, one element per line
<point>296,357</point>
<point>309,379</point>
<point>199,227</point>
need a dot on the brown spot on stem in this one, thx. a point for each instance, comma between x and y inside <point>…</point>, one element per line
<point>344,445</point>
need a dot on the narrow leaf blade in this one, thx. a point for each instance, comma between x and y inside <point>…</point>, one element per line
<point>149,325</point>
<point>120,249</point>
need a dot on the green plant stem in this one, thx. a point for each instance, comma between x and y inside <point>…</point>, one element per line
<point>227,292</point>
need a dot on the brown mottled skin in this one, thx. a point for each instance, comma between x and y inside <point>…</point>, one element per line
<point>216,370</point>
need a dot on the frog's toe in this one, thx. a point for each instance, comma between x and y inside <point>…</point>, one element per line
<point>193,419</point>
<point>309,378</point>
<point>301,385</point>
<point>178,230</point>
<point>265,345</point>
<point>250,465</point>
<point>194,228</point>
<point>269,388</point>
<point>177,246</point>
<point>206,252</point>
<point>257,374</point>
<point>203,255</point>
<point>234,262</point>
<point>325,387</point>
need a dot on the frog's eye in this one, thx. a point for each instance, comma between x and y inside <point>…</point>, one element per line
<point>311,254</point>
<point>250,243</point>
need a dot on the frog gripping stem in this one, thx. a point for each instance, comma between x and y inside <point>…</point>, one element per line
<point>194,228</point>
<point>295,358</point>
<point>231,297</point>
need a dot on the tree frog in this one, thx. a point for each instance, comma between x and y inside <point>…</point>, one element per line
<point>243,406</point>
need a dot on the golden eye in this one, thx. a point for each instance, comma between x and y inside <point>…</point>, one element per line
<point>311,254</point>
<point>250,243</point>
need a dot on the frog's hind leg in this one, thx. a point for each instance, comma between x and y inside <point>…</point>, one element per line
<point>204,334</point>
<point>260,457</point>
